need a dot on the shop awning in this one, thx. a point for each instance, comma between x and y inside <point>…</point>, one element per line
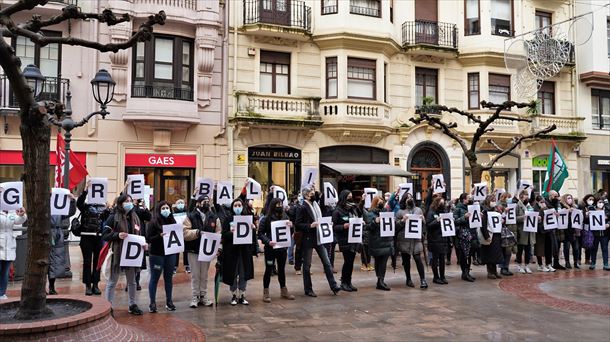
<point>367,169</point>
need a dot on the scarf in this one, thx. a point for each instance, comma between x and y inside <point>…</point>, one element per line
<point>315,208</point>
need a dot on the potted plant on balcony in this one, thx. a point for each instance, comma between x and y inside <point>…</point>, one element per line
<point>428,107</point>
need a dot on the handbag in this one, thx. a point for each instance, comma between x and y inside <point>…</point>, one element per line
<point>508,238</point>
<point>75,226</point>
<point>587,238</point>
<point>482,239</point>
<point>107,266</point>
<point>103,253</point>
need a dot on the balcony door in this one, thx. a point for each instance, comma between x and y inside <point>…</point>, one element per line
<point>426,22</point>
<point>275,12</point>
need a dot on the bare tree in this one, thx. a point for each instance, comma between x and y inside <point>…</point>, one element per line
<point>470,148</point>
<point>36,133</point>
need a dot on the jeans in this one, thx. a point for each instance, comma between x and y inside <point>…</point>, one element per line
<point>596,242</point>
<point>5,266</point>
<point>406,264</point>
<point>381,263</point>
<point>348,266</point>
<point>130,274</point>
<point>575,250</point>
<point>199,276</point>
<point>271,257</point>
<point>160,264</point>
<point>508,252</point>
<point>90,247</point>
<point>528,254</point>
<point>185,258</point>
<point>240,281</point>
<point>330,249</point>
<point>291,251</point>
<point>307,254</point>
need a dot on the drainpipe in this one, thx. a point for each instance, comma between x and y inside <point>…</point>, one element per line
<point>224,68</point>
<point>92,127</point>
<point>234,99</point>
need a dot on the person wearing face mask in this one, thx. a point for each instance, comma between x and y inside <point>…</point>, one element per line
<point>525,240</point>
<point>507,244</point>
<point>201,219</point>
<point>8,243</point>
<point>307,221</point>
<point>274,256</point>
<point>160,263</point>
<point>554,236</point>
<point>586,236</point>
<point>461,215</point>
<point>600,237</point>
<point>540,248</point>
<point>237,263</point>
<point>571,235</point>
<point>381,248</point>
<point>118,226</point>
<point>410,247</point>
<point>492,254</point>
<point>346,209</point>
<point>296,257</point>
<point>437,244</point>
<point>180,211</point>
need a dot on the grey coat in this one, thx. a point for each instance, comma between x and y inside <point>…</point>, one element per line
<point>524,238</point>
<point>57,256</point>
<point>404,245</point>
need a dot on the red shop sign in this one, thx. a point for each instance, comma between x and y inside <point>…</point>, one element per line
<point>161,160</point>
<point>16,158</point>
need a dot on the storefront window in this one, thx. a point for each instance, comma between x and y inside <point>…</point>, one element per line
<point>275,165</point>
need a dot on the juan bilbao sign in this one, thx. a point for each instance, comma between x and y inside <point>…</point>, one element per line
<point>161,160</point>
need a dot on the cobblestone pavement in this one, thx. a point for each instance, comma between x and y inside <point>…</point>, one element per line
<point>563,306</point>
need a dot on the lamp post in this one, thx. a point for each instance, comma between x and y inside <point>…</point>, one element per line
<point>103,92</point>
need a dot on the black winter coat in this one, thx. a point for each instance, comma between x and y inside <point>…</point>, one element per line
<point>197,223</point>
<point>378,246</point>
<point>305,217</point>
<point>153,235</point>
<point>436,242</point>
<point>341,216</point>
<point>231,254</point>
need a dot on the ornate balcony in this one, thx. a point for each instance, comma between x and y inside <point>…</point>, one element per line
<point>279,19</point>
<point>55,89</point>
<point>356,120</point>
<point>568,127</point>
<point>273,110</point>
<point>430,35</point>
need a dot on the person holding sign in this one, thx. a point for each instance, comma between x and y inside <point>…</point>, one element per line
<point>492,254</point>
<point>58,258</point>
<point>346,209</point>
<point>198,221</point>
<point>379,247</point>
<point>180,211</point>
<point>275,213</point>
<point>237,263</point>
<point>8,243</point>
<point>160,263</point>
<point>91,215</point>
<point>509,231</point>
<point>540,248</point>
<point>123,222</point>
<point>571,235</point>
<point>307,221</point>
<point>525,240</point>
<point>410,246</point>
<point>437,244</point>
<point>463,236</point>
<point>600,236</point>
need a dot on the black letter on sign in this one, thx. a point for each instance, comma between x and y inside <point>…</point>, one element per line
<point>549,219</point>
<point>596,220</point>
<point>241,225</point>
<point>475,216</point>
<point>281,234</point>
<point>357,231</point>
<point>446,224</point>
<point>138,249</point>
<point>15,198</point>
<point>136,187</point>
<point>479,191</point>
<point>204,189</point>
<point>412,225</point>
<point>252,189</point>
<point>224,192</point>
<point>173,239</point>
<point>280,195</point>
<point>97,189</point>
<point>331,193</point>
<point>205,245</point>
<point>325,229</point>
<point>57,199</point>
<point>386,223</point>
<point>495,220</point>
<point>511,213</point>
<point>531,221</point>
<point>438,184</point>
<point>576,219</point>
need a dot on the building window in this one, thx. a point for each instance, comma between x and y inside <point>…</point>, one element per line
<point>275,73</point>
<point>499,88</point>
<point>543,19</point>
<point>329,6</point>
<point>385,82</point>
<point>472,14</point>
<point>371,8</point>
<point>473,90</point>
<point>331,77</point>
<point>47,58</point>
<point>546,97</point>
<point>600,106</point>
<point>361,78</point>
<point>502,17</point>
<point>163,68</point>
<point>426,85</point>
<point>391,11</point>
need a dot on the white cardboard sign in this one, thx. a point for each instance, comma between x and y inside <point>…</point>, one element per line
<point>494,221</point>
<point>597,220</point>
<point>405,188</point>
<point>447,224</point>
<point>576,217</point>
<point>97,193</point>
<point>480,191</point>
<point>208,247</point>
<point>356,226</point>
<point>132,251</point>
<point>499,192</point>
<point>563,220</point>
<point>475,220</point>
<point>204,187</point>
<point>530,222</point>
<point>525,185</point>
<point>309,177</point>
<point>243,230</point>
<point>224,193</point>
<point>387,224</point>
<point>511,213</point>
<point>413,227</point>
<point>173,240</point>
<point>60,202</point>
<point>550,220</point>
<point>280,193</point>
<point>135,188</point>
<point>11,197</point>
<point>325,230</point>
<point>369,193</point>
<point>253,189</point>
<point>280,233</point>
<point>438,183</point>
<point>331,197</point>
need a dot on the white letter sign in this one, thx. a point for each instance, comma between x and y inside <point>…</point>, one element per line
<point>280,233</point>
<point>550,220</point>
<point>253,189</point>
<point>563,220</point>
<point>132,251</point>
<point>386,224</point>
<point>413,227</point>
<point>135,188</point>
<point>597,220</point>
<point>480,191</point>
<point>97,193</point>
<point>405,188</point>
<point>204,186</point>
<point>173,240</point>
<point>530,222</point>
<point>208,247</point>
<point>60,202</point>
<point>325,230</point>
<point>511,213</point>
<point>355,230</point>
<point>243,230</point>
<point>369,193</point>
<point>280,193</point>
<point>309,177</point>
<point>494,221</point>
<point>576,218</point>
<point>330,194</point>
<point>438,183</point>
<point>475,220</point>
<point>447,224</point>
<point>11,197</point>
<point>224,193</point>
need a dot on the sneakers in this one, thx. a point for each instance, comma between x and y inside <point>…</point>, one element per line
<point>527,270</point>
<point>234,300</point>
<point>298,272</point>
<point>194,303</point>
<point>188,269</point>
<point>592,267</point>
<point>135,310</point>
<point>550,268</point>
<point>170,306</point>
<point>520,269</point>
<point>205,302</point>
<point>364,268</point>
<point>371,268</point>
<point>152,308</point>
<point>3,297</point>
<point>242,300</point>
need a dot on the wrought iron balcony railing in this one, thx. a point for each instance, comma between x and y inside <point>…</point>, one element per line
<point>424,32</point>
<point>162,92</point>
<point>55,89</point>
<point>295,14</point>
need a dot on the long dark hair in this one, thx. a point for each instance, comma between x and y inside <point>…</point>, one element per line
<point>158,219</point>
<point>119,203</point>
<point>271,208</point>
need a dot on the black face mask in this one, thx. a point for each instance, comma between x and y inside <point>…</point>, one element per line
<point>380,206</point>
<point>441,207</point>
<point>410,203</point>
<point>205,207</point>
<point>279,211</point>
<point>470,202</point>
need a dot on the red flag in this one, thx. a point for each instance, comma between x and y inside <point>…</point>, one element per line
<point>77,171</point>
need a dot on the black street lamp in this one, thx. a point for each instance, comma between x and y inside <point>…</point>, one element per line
<point>34,78</point>
<point>103,92</point>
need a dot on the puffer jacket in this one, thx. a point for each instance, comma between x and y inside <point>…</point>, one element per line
<point>378,245</point>
<point>8,243</point>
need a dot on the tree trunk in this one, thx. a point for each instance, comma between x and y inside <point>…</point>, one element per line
<point>476,172</point>
<point>35,136</point>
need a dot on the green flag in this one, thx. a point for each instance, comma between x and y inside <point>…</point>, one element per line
<point>556,171</point>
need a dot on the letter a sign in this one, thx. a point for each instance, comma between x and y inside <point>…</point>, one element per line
<point>173,240</point>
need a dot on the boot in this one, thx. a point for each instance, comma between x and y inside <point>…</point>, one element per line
<point>410,282</point>
<point>286,294</point>
<point>96,290</point>
<point>88,291</point>
<point>345,287</point>
<point>351,286</point>
<point>266,297</point>
<point>423,284</point>
<point>381,285</point>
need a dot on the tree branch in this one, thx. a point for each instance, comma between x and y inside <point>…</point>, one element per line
<point>455,110</point>
<point>73,12</point>
<point>512,118</point>
<point>516,142</point>
<point>143,33</point>
<point>494,144</point>
<point>446,128</point>
<point>21,5</point>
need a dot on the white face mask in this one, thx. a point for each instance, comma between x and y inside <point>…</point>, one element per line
<point>590,202</point>
<point>600,205</point>
<point>569,201</point>
<point>492,204</point>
